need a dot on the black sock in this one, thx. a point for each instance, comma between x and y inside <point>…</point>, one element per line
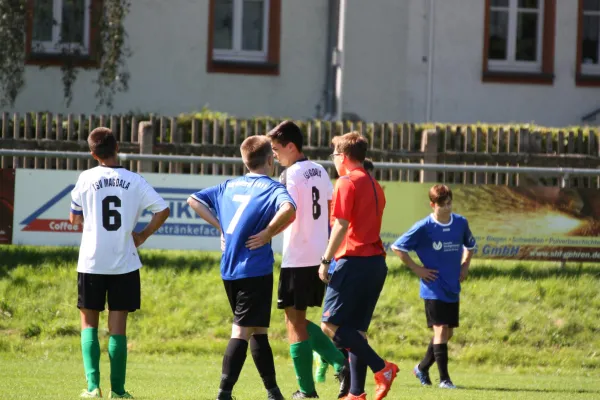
<point>233,361</point>
<point>440,351</point>
<point>263,359</point>
<point>344,352</point>
<point>358,375</point>
<point>357,344</point>
<point>428,360</point>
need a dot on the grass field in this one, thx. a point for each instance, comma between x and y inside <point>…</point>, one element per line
<point>527,330</point>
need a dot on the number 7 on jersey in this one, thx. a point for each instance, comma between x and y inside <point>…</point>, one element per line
<point>243,199</point>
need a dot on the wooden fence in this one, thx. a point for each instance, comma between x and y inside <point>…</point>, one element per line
<point>392,142</point>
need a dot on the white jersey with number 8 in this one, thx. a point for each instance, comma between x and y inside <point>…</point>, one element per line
<point>111,200</point>
<point>305,240</point>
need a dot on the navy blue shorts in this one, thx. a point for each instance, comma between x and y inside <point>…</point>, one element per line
<point>353,291</point>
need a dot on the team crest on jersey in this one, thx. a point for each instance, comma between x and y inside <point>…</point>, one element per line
<point>437,245</point>
<point>52,216</point>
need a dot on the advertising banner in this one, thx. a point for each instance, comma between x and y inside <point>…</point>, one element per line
<point>43,201</point>
<point>516,223</point>
<point>7,197</point>
<point>519,223</point>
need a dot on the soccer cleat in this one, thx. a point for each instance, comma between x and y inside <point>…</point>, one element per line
<point>94,394</point>
<point>353,397</point>
<point>274,394</point>
<point>447,385</point>
<point>422,376</point>
<point>384,380</point>
<point>114,395</point>
<point>343,377</point>
<point>223,395</point>
<point>300,395</point>
<point>321,371</point>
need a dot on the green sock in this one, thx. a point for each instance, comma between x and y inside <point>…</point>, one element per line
<point>321,343</point>
<point>90,349</point>
<point>117,352</point>
<point>302,357</point>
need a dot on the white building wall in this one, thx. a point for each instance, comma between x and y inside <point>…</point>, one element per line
<point>168,67</point>
<point>375,69</point>
<point>459,95</point>
<point>385,76</point>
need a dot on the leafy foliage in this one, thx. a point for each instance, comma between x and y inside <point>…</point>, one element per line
<point>12,50</point>
<point>113,50</point>
<point>109,49</point>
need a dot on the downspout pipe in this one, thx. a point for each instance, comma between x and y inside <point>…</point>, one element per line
<point>328,87</point>
<point>430,55</point>
<point>339,61</point>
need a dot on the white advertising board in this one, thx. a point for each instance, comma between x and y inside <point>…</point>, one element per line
<point>43,201</point>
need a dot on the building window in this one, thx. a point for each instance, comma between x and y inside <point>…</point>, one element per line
<point>588,46</point>
<point>56,27</point>
<point>244,36</point>
<point>519,40</point>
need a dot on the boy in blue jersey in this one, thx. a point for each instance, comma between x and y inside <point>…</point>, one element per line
<point>250,210</point>
<point>444,244</point>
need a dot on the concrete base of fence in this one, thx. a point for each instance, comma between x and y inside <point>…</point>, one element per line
<point>146,140</point>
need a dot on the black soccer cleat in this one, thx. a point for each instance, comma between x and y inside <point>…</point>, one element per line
<point>300,395</point>
<point>343,378</point>
<point>274,394</point>
<point>223,395</point>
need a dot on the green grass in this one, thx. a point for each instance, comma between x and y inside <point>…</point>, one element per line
<point>197,377</point>
<point>527,330</point>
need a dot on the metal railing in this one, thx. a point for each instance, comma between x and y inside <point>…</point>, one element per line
<point>555,172</point>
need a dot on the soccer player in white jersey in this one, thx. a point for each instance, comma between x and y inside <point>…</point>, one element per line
<point>304,241</point>
<point>108,200</point>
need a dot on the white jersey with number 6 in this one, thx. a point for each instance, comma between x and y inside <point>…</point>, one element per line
<point>305,240</point>
<point>111,200</point>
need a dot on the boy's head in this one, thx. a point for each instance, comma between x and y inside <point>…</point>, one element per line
<point>349,149</point>
<point>286,140</point>
<point>440,200</point>
<point>103,144</point>
<point>256,153</point>
<point>369,167</point>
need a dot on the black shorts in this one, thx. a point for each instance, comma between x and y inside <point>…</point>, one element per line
<point>124,293</point>
<point>441,313</point>
<point>250,300</point>
<point>300,288</point>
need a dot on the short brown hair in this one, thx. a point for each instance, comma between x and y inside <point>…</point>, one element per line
<point>368,164</point>
<point>255,151</point>
<point>287,132</point>
<point>439,194</point>
<point>352,145</point>
<point>103,143</point>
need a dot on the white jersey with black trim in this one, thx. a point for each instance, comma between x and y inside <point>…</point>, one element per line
<point>305,240</point>
<point>111,200</point>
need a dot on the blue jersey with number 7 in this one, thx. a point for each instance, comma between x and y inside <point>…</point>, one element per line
<point>244,207</point>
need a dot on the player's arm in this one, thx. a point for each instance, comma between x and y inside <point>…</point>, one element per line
<point>284,216</point>
<point>468,251</point>
<point>76,214</point>
<point>428,275</point>
<point>75,219</point>
<point>204,212</point>
<point>338,233</point>
<point>150,200</point>
<point>158,218</point>
<point>292,190</point>
<point>410,241</point>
